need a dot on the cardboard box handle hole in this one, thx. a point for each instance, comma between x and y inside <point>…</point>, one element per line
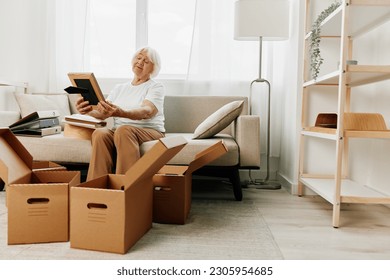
<point>38,200</point>
<point>96,206</point>
<point>167,189</point>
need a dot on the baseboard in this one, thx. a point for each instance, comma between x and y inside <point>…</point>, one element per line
<point>292,187</point>
<point>287,184</point>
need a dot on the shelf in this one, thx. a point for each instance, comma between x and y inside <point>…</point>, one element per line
<point>351,192</point>
<point>356,75</point>
<point>320,132</point>
<point>330,133</point>
<point>330,79</point>
<point>364,16</point>
<point>358,125</point>
<point>365,74</point>
<point>367,134</point>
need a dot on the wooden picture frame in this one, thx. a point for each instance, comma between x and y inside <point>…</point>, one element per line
<point>87,81</point>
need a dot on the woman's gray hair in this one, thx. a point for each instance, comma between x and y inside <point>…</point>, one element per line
<point>154,58</point>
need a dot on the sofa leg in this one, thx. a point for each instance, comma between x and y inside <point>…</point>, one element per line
<point>236,183</point>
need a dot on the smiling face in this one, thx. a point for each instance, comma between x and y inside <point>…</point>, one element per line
<point>141,65</point>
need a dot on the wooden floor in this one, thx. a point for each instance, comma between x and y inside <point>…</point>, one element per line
<point>302,227</point>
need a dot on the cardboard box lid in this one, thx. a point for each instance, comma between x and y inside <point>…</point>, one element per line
<point>15,161</point>
<point>154,159</point>
<point>201,159</point>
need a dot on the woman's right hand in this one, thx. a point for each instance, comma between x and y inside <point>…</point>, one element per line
<point>83,106</point>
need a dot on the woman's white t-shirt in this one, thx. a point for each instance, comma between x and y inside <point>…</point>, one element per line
<point>128,96</point>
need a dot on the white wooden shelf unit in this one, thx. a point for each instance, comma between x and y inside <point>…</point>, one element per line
<point>350,20</point>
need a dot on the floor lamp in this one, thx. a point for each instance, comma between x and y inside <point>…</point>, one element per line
<point>262,20</point>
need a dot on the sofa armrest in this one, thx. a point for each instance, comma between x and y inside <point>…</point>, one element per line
<point>247,135</point>
<point>8,117</point>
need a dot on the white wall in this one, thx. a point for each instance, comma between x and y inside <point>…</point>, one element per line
<point>288,166</point>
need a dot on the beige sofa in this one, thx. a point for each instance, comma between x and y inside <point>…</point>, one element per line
<point>183,114</point>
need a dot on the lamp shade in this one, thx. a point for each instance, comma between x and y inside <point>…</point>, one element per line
<point>268,19</point>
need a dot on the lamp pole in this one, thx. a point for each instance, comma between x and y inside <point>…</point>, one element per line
<point>264,184</point>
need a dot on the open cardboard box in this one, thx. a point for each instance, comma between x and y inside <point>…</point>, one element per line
<point>112,212</point>
<point>38,201</point>
<point>173,187</point>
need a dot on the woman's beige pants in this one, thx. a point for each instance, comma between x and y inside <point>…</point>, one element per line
<point>122,145</point>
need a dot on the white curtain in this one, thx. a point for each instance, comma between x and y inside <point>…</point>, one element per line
<point>216,58</point>
<point>219,65</point>
<point>66,39</point>
<point>41,41</point>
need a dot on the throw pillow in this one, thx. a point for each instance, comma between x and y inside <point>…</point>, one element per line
<point>218,120</point>
<point>29,103</point>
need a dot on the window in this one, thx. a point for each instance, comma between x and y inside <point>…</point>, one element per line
<point>115,28</point>
<point>170,32</point>
<point>110,40</point>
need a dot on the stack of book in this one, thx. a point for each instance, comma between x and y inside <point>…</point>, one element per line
<point>81,126</point>
<point>39,123</point>
<point>85,121</point>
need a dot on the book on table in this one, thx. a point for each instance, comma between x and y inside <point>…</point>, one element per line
<point>38,132</point>
<point>84,121</point>
<point>38,119</point>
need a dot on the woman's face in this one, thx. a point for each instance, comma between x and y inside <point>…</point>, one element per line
<point>142,66</point>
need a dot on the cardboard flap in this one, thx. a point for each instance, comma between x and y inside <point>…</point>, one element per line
<point>97,183</point>
<point>154,159</point>
<point>72,178</point>
<point>208,155</point>
<point>15,157</point>
<point>173,170</point>
<point>172,142</point>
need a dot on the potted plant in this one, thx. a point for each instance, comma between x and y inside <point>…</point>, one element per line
<point>315,38</point>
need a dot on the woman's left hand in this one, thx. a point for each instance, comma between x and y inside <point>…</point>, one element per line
<point>107,109</point>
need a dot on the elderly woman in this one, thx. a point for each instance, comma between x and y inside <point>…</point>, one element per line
<point>137,108</point>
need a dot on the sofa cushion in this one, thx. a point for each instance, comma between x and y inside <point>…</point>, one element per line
<point>218,120</point>
<point>30,103</point>
<point>73,150</point>
<point>58,148</point>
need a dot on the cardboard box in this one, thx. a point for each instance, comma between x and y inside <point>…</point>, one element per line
<point>173,187</point>
<point>38,201</point>
<point>111,213</point>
